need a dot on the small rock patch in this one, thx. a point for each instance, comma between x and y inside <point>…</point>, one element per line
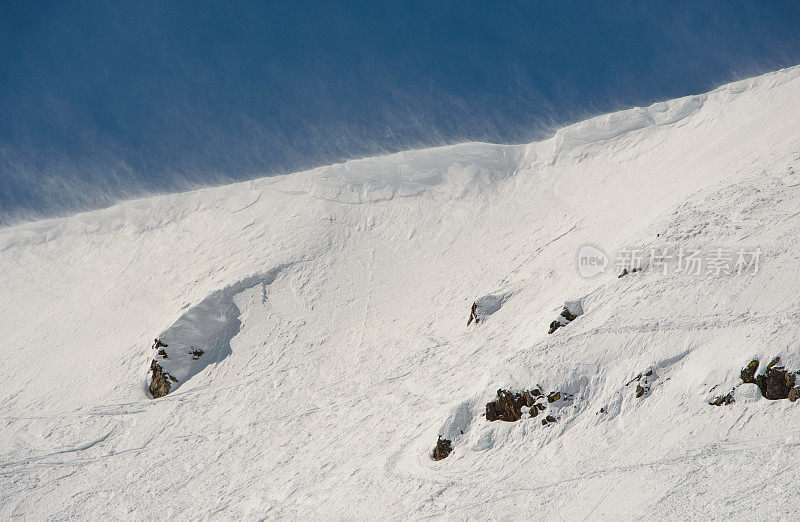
<point>643,382</point>
<point>443,448</point>
<point>160,383</point>
<point>566,317</point>
<point>548,420</point>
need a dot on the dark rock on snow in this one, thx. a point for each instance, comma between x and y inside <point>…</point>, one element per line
<point>776,382</point>
<point>443,448</point>
<point>159,385</point>
<point>564,319</point>
<point>537,408</point>
<point>723,400</point>
<point>643,386</point>
<point>548,420</point>
<point>507,407</point>
<point>748,373</point>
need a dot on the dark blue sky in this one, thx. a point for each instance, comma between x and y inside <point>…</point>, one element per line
<point>106,100</point>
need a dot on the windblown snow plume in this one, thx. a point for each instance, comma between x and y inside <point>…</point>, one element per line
<point>314,325</point>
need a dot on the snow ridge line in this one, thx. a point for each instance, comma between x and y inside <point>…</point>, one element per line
<point>402,174</point>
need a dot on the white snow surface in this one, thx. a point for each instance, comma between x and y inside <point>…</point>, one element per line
<point>332,305</point>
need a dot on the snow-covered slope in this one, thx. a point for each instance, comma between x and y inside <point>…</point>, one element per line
<point>332,305</point>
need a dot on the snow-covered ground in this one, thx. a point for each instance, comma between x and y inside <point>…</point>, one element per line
<point>332,305</point>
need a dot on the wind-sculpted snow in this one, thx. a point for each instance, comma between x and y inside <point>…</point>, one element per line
<point>331,307</point>
<point>449,171</point>
<point>202,335</point>
<point>610,126</point>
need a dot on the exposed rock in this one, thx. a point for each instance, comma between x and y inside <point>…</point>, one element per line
<point>776,382</point>
<point>548,420</point>
<point>537,408</point>
<point>644,381</point>
<point>159,385</point>
<point>564,319</point>
<point>196,354</point>
<point>723,399</point>
<point>473,314</point>
<point>158,344</point>
<point>625,272</point>
<point>748,373</point>
<point>555,325</point>
<point>443,448</point>
<point>507,407</point>
<point>528,398</point>
<point>163,353</point>
<point>566,314</point>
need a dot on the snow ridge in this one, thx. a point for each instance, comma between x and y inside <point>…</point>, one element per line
<point>450,171</point>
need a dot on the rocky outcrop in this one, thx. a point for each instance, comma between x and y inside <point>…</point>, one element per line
<point>443,448</point>
<point>775,383</point>
<point>509,405</point>
<point>748,373</point>
<point>160,382</point>
<point>564,319</point>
